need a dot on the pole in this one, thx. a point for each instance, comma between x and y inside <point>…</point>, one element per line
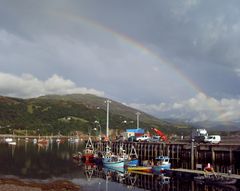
<point>100,137</point>
<point>138,114</point>
<point>192,154</point>
<point>107,125</point>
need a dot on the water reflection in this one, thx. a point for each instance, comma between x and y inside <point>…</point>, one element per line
<point>126,180</point>
<point>123,180</point>
<point>29,160</point>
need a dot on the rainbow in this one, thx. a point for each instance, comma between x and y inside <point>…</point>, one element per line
<point>140,47</point>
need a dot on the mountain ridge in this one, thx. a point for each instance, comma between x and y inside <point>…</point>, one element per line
<point>72,112</point>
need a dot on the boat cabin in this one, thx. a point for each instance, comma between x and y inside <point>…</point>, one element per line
<point>162,160</point>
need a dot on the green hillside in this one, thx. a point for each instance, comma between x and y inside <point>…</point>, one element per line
<point>68,113</point>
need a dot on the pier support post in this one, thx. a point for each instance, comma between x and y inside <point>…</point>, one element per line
<point>192,154</point>
<point>213,155</point>
<point>230,160</point>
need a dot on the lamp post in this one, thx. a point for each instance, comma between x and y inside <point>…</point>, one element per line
<point>138,114</point>
<point>107,125</point>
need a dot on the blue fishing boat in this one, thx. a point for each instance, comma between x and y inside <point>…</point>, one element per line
<point>161,163</point>
<point>132,163</point>
<point>132,160</point>
<point>110,160</point>
<point>113,161</point>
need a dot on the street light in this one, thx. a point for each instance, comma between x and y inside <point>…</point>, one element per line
<point>107,126</point>
<point>138,114</point>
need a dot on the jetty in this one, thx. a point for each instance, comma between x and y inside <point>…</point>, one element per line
<point>223,157</point>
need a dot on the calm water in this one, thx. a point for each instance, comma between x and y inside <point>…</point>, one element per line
<point>28,160</point>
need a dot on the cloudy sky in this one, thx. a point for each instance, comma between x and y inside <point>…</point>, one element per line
<point>173,59</point>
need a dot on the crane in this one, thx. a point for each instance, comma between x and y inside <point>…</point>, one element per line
<point>161,134</point>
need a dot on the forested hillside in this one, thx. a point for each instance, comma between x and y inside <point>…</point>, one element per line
<point>69,113</point>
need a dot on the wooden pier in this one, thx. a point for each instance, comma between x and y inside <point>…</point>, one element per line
<point>223,157</point>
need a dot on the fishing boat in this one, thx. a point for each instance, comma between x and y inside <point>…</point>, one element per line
<point>88,152</point>
<point>42,141</point>
<point>147,169</point>
<point>132,163</point>
<point>132,160</point>
<point>161,163</point>
<point>111,160</point>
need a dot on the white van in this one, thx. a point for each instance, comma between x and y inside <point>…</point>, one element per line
<point>143,138</point>
<point>213,139</point>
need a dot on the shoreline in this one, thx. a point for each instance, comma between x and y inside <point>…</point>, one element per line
<point>18,184</point>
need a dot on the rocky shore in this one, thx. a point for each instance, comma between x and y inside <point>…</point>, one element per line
<point>15,184</point>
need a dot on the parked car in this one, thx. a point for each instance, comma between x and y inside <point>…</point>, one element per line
<point>215,139</point>
<point>143,138</point>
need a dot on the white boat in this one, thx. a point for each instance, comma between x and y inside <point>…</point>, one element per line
<point>58,140</point>
<point>162,163</point>
<point>73,140</point>
<point>35,141</point>
<point>8,140</point>
<point>76,140</point>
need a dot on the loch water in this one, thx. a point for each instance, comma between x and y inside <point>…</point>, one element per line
<point>54,161</point>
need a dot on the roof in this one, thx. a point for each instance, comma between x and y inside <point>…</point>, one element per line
<point>139,130</point>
